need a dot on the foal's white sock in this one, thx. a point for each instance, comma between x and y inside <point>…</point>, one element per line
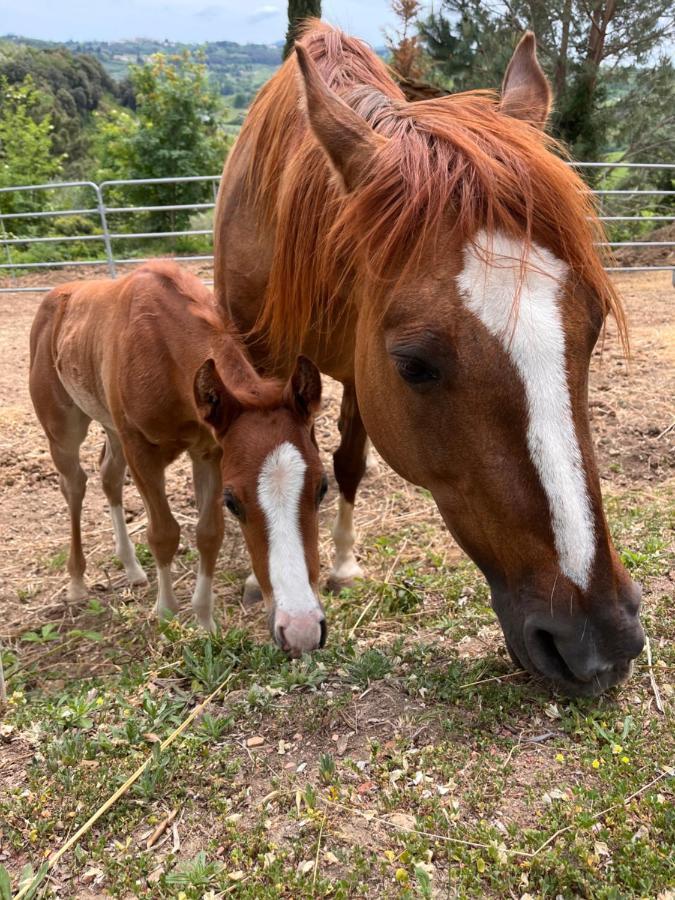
<point>124,547</point>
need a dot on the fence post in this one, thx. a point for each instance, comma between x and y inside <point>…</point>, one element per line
<point>106,233</point>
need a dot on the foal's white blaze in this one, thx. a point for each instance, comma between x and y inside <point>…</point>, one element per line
<point>494,270</point>
<point>280,484</point>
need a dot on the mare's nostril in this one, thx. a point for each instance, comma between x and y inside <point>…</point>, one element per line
<point>324,633</point>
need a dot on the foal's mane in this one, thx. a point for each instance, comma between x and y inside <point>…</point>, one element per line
<point>252,391</point>
<point>456,158</point>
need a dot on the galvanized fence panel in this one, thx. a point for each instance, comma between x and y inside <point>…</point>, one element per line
<point>101,211</point>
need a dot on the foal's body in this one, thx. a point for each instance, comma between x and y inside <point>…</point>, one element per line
<point>131,354</point>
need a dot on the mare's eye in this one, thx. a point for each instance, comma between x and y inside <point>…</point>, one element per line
<point>414,370</point>
<point>323,488</point>
<point>233,504</point>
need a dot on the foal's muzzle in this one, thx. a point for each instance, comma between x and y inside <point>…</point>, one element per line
<point>299,633</point>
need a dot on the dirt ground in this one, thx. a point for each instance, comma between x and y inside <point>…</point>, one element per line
<point>409,744</point>
<point>633,417</point>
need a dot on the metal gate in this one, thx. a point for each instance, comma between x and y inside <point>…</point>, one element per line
<point>111,242</point>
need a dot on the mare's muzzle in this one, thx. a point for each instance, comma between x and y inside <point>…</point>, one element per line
<point>583,653</point>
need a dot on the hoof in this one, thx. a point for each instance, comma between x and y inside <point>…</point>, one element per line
<point>77,590</point>
<point>137,579</point>
<point>336,584</point>
<point>164,613</point>
<point>207,623</point>
<point>252,595</point>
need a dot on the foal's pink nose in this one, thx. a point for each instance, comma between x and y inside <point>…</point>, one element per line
<point>299,633</point>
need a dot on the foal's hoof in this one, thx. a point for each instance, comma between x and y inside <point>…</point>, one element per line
<point>336,583</point>
<point>252,594</point>
<point>77,590</point>
<point>137,579</point>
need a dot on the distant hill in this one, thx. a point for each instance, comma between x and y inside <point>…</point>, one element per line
<point>237,69</point>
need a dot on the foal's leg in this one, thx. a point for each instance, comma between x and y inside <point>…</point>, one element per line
<point>349,463</point>
<point>113,468</point>
<point>147,465</point>
<point>64,444</point>
<point>210,529</point>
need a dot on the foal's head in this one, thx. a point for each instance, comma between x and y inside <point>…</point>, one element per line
<point>480,298</point>
<point>273,484</point>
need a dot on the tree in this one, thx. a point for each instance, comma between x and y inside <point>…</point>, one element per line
<point>407,56</point>
<point>580,43</point>
<point>174,133</point>
<point>26,152</point>
<point>70,87</point>
<point>298,11</point>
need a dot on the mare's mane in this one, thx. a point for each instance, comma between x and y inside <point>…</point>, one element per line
<point>456,159</point>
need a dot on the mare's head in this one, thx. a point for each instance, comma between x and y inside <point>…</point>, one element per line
<point>481,297</point>
<point>273,484</point>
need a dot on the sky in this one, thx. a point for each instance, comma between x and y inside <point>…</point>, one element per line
<point>256,21</point>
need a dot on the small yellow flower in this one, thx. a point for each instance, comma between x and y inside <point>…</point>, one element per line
<point>596,763</point>
<point>100,701</point>
<point>625,759</point>
<point>616,748</point>
<point>390,855</point>
<point>401,876</point>
<point>559,757</point>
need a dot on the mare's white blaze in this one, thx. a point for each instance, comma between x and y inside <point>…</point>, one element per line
<point>124,548</point>
<point>280,484</point>
<point>534,338</point>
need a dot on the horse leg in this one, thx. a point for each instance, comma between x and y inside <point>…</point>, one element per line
<point>210,529</point>
<point>64,446</point>
<point>113,469</point>
<point>252,592</point>
<point>147,465</point>
<point>349,463</point>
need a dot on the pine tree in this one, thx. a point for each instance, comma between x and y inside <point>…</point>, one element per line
<point>407,57</point>
<point>298,10</point>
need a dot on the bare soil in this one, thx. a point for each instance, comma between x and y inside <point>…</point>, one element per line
<point>633,418</point>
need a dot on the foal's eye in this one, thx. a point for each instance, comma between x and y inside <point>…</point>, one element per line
<point>323,488</point>
<point>415,371</point>
<point>232,504</point>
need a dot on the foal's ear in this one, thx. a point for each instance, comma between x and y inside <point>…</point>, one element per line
<point>216,404</point>
<point>526,93</point>
<point>348,140</point>
<point>303,391</point>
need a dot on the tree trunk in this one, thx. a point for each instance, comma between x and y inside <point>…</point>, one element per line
<point>298,10</point>
<point>560,76</point>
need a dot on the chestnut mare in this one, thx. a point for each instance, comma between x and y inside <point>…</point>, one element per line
<point>149,358</point>
<point>438,259</point>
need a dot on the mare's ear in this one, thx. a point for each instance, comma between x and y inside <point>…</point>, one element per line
<point>526,93</point>
<point>303,391</point>
<point>348,140</point>
<point>216,404</point>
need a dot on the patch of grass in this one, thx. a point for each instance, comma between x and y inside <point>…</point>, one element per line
<point>58,562</point>
<point>392,764</point>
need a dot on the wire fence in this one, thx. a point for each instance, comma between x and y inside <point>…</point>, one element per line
<point>96,205</point>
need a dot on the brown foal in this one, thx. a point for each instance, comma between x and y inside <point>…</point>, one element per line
<point>148,357</point>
